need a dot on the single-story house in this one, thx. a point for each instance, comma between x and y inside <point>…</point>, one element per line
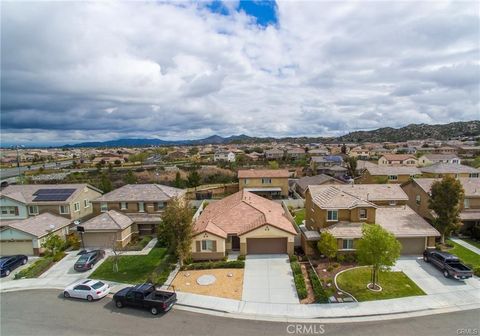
<point>242,222</point>
<point>26,236</point>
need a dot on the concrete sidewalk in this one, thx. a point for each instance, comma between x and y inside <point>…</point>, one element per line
<point>466,245</point>
<point>146,250</point>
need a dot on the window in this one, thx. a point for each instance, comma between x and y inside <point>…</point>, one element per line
<point>141,207</point>
<point>65,209</point>
<point>33,209</point>
<point>103,207</point>
<point>123,206</point>
<point>392,177</point>
<point>347,244</point>
<point>245,181</point>
<point>266,181</point>
<point>332,215</point>
<point>392,202</point>
<point>9,210</point>
<point>473,175</point>
<point>76,207</point>
<point>417,199</point>
<point>160,206</point>
<point>466,203</point>
<point>207,245</point>
<point>86,203</point>
<point>362,214</point>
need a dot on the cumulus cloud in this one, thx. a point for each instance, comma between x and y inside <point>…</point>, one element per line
<point>80,71</point>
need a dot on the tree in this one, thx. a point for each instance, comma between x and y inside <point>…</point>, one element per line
<point>130,178</point>
<point>344,149</point>
<point>378,248</point>
<point>110,167</point>
<point>105,183</point>
<point>179,182</point>
<point>352,166</point>
<point>446,197</point>
<point>53,244</point>
<point>176,228</point>
<point>193,179</point>
<point>327,245</point>
<point>273,164</point>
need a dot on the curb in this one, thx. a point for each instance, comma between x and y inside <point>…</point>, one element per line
<point>341,290</point>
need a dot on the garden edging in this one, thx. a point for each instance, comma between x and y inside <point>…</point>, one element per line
<point>341,290</point>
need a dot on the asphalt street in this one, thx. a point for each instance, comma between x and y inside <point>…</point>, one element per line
<point>46,312</point>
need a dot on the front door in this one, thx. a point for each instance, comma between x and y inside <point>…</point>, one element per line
<point>235,243</point>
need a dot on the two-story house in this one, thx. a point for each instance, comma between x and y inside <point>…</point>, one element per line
<point>429,159</point>
<point>224,156</point>
<point>398,160</point>
<point>270,183</point>
<point>342,210</point>
<point>449,169</point>
<point>274,154</point>
<point>387,174</point>
<point>329,164</point>
<point>296,153</point>
<point>72,201</point>
<point>418,191</point>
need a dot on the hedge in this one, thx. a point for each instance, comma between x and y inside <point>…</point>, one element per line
<point>37,268</point>
<point>299,280</point>
<point>214,264</point>
<point>318,291</point>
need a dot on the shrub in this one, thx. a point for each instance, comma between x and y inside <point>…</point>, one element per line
<point>300,285</point>
<point>330,268</point>
<point>37,268</point>
<point>296,267</point>
<point>214,264</point>
<point>293,258</point>
<point>145,240</point>
<point>335,265</point>
<point>438,247</point>
<point>318,290</point>
<point>340,258</point>
<point>241,257</point>
<point>188,261</point>
<point>350,257</point>
<point>58,256</point>
<point>73,242</point>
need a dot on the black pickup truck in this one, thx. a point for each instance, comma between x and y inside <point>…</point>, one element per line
<point>145,296</point>
<point>449,264</point>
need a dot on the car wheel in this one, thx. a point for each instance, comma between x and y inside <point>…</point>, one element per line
<point>119,304</point>
<point>7,272</point>
<point>66,294</point>
<point>446,274</point>
<point>425,258</point>
<point>154,311</point>
<point>90,298</point>
<point>24,261</point>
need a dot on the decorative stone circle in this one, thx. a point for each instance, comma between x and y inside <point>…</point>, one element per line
<point>378,289</point>
<point>206,280</point>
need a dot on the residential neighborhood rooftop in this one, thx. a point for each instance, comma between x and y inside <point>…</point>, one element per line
<point>392,170</point>
<point>40,225</point>
<point>304,182</point>
<point>259,173</point>
<point>402,221</point>
<point>331,197</point>
<point>28,193</point>
<point>110,220</point>
<point>449,168</point>
<point>471,186</point>
<point>142,192</point>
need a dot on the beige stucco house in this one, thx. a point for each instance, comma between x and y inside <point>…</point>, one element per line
<point>456,170</point>
<point>243,222</point>
<point>270,183</point>
<point>109,229</point>
<point>398,159</point>
<point>388,174</point>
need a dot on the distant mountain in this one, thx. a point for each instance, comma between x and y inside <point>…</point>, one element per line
<point>410,132</point>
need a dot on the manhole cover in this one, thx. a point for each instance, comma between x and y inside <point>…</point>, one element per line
<point>206,280</point>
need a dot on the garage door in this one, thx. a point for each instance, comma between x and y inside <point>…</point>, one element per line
<point>16,247</point>
<point>266,245</point>
<point>100,239</point>
<point>412,246</point>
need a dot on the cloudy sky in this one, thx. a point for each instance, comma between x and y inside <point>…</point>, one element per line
<point>73,71</point>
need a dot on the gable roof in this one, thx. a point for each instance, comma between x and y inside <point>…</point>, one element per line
<point>304,182</point>
<point>448,168</point>
<point>440,156</point>
<point>110,220</point>
<point>258,173</point>
<point>403,221</point>
<point>471,186</point>
<point>240,213</point>
<point>375,192</point>
<point>398,157</point>
<point>331,197</point>
<point>392,170</point>
<point>24,193</point>
<point>40,225</point>
<point>142,193</point>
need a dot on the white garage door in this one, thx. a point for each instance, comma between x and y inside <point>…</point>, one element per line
<point>412,246</point>
<point>16,247</point>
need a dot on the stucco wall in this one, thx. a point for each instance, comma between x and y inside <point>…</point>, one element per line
<point>412,190</point>
<point>257,183</point>
<point>22,209</point>
<point>208,255</point>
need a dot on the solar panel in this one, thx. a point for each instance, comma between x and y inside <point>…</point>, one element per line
<point>54,191</point>
<point>43,195</point>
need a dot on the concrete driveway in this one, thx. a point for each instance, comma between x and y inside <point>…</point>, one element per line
<point>430,279</point>
<point>268,278</point>
<point>64,268</point>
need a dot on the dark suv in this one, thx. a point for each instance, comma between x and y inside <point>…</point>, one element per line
<point>9,263</point>
<point>86,261</point>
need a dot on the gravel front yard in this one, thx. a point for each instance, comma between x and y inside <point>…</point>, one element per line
<point>224,286</point>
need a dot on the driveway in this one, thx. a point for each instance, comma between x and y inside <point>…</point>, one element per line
<point>430,279</point>
<point>31,260</point>
<point>268,278</point>
<point>64,268</point>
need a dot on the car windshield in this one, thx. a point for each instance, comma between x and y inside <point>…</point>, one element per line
<point>3,261</point>
<point>98,285</point>
<point>83,258</point>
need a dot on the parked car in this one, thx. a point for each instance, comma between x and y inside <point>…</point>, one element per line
<point>147,297</point>
<point>88,260</point>
<point>9,263</point>
<point>449,264</point>
<point>87,289</point>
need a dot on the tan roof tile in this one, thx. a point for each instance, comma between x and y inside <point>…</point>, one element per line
<point>24,193</point>
<point>110,220</point>
<point>259,173</point>
<point>141,192</point>
<point>40,225</point>
<point>402,221</point>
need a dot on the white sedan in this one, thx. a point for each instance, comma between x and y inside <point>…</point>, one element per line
<point>87,289</point>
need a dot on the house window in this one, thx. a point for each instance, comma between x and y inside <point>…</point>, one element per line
<point>141,207</point>
<point>123,206</point>
<point>33,209</point>
<point>266,181</point>
<point>160,206</point>
<point>64,209</point>
<point>473,175</point>
<point>392,202</point>
<point>245,181</point>
<point>347,244</point>
<point>9,210</point>
<point>76,207</point>
<point>392,177</point>
<point>103,207</point>
<point>417,199</point>
<point>363,213</point>
<point>466,203</point>
<point>86,203</point>
<point>207,245</point>
<point>332,215</point>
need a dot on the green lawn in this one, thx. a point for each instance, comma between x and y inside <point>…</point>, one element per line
<point>299,216</point>
<point>467,256</point>
<point>394,284</point>
<point>472,242</point>
<point>131,269</point>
